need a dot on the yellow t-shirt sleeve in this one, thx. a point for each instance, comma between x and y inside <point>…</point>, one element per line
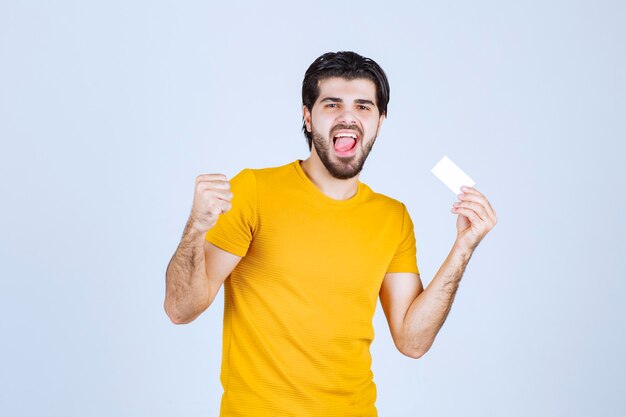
<point>405,258</point>
<point>234,230</point>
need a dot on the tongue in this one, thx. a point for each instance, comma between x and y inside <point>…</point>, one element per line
<point>343,144</point>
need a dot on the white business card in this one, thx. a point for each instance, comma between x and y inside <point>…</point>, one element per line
<point>451,175</point>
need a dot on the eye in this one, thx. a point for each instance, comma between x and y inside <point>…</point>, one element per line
<point>362,107</point>
<point>331,105</point>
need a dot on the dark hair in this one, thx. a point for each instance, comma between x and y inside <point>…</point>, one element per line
<point>348,65</point>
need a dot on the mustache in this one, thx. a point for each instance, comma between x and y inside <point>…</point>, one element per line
<point>342,126</point>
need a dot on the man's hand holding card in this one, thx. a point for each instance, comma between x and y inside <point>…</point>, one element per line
<point>476,216</point>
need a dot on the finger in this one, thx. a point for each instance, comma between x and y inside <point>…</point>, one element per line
<point>479,199</point>
<point>473,194</point>
<point>475,207</point>
<point>224,195</point>
<point>226,206</point>
<point>222,185</point>
<point>470,214</point>
<point>468,189</point>
<point>211,186</point>
<point>217,207</point>
<point>473,191</point>
<point>211,177</point>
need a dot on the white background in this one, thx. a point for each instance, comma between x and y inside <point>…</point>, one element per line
<point>109,109</point>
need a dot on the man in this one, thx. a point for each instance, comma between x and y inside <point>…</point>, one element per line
<point>304,251</point>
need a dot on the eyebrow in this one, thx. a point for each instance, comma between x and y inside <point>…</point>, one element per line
<point>338,100</point>
<point>362,101</point>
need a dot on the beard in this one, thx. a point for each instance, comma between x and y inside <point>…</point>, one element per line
<point>341,167</point>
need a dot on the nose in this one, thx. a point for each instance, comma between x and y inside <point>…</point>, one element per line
<point>347,117</point>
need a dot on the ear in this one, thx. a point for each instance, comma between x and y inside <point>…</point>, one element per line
<point>381,119</point>
<point>306,116</point>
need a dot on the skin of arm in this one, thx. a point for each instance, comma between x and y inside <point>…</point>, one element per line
<point>415,315</point>
<point>198,268</point>
<point>194,276</point>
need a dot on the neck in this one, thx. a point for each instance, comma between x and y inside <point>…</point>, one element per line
<point>332,187</point>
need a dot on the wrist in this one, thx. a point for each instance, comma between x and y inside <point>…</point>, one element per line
<point>197,227</point>
<point>463,248</point>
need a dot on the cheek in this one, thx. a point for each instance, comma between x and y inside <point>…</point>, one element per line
<point>321,124</point>
<point>371,127</point>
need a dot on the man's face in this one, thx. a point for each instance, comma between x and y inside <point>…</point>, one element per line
<point>344,123</point>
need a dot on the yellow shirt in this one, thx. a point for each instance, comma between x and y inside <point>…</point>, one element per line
<point>298,307</point>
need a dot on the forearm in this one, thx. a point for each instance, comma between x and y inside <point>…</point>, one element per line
<point>430,308</point>
<point>187,287</point>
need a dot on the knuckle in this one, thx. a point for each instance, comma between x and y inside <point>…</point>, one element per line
<point>205,193</point>
<point>216,184</point>
<point>210,200</point>
<point>210,177</point>
<point>203,186</point>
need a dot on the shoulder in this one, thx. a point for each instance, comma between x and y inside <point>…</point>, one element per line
<point>383,201</point>
<point>248,175</point>
<point>276,179</point>
<point>392,214</point>
<point>268,172</point>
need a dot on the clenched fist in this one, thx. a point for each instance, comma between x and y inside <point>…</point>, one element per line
<point>211,198</point>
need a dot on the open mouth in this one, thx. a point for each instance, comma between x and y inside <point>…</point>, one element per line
<point>344,142</point>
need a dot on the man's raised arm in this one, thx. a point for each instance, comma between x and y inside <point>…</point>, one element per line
<point>198,268</point>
